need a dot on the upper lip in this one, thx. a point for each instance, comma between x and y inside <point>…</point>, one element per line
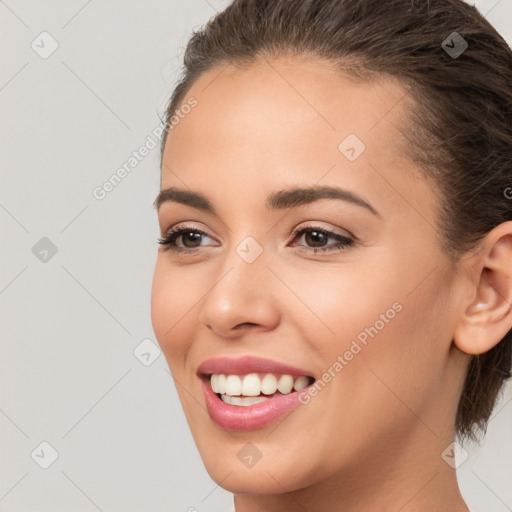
<point>248,364</point>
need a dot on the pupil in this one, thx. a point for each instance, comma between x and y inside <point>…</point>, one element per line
<point>316,238</point>
<point>191,237</point>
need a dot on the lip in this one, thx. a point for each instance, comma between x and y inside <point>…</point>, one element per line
<point>232,417</point>
<point>249,364</point>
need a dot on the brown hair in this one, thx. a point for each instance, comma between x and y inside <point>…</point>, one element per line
<point>460,126</point>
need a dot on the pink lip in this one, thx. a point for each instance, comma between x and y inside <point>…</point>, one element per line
<point>232,417</point>
<point>248,364</point>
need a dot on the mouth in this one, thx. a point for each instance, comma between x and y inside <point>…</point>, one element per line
<point>249,393</point>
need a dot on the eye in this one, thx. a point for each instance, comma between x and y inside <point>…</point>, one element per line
<point>183,238</point>
<point>317,238</point>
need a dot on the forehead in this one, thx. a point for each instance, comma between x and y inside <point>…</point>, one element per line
<point>303,108</point>
<point>287,121</point>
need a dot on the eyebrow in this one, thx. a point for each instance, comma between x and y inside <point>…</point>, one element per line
<point>289,198</point>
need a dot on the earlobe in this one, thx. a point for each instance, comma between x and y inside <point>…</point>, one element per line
<point>487,317</point>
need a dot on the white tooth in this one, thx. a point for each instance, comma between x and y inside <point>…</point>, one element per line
<point>251,385</point>
<point>300,383</point>
<point>233,385</point>
<point>285,384</point>
<point>269,384</point>
<point>243,401</point>
<point>221,383</point>
<point>214,383</point>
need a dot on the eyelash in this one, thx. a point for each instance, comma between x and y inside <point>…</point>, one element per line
<point>169,239</point>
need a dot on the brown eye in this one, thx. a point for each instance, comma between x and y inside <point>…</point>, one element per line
<point>191,239</point>
<point>183,239</point>
<point>316,239</point>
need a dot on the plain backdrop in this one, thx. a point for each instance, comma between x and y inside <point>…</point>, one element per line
<point>83,389</point>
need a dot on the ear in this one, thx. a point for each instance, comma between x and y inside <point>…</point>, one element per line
<point>487,317</point>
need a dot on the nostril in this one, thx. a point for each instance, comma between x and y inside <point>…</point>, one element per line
<point>239,326</point>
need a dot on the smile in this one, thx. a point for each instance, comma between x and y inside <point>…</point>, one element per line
<point>249,393</point>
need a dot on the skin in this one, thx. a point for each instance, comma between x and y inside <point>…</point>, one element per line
<point>372,438</point>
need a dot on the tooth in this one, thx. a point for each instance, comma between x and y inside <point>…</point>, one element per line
<point>285,384</point>
<point>269,384</point>
<point>214,383</point>
<point>251,385</point>
<point>300,383</point>
<point>221,383</point>
<point>233,385</point>
<point>243,401</point>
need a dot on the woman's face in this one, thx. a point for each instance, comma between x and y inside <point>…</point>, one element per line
<point>369,316</point>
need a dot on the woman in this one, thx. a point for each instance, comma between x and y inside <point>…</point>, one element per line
<point>334,284</point>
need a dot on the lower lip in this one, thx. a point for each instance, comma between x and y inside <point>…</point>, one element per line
<point>237,417</point>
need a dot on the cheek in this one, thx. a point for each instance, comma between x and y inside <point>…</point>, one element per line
<point>338,305</point>
<point>159,303</point>
<point>393,345</point>
<point>378,321</point>
<point>171,301</point>
<point>405,337</point>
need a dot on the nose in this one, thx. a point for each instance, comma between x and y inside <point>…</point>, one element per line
<point>241,299</point>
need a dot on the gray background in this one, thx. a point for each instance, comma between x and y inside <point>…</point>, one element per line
<point>71,322</point>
